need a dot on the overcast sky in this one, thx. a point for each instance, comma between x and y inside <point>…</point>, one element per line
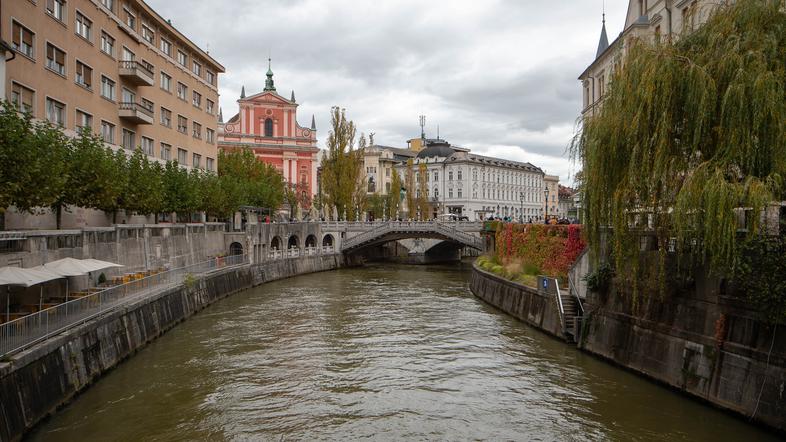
<point>497,76</point>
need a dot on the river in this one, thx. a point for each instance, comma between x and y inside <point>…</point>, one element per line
<point>382,352</point>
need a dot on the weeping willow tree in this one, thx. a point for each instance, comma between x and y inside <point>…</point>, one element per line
<point>690,134</point>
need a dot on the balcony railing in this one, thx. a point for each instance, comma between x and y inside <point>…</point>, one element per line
<point>136,112</point>
<point>136,73</point>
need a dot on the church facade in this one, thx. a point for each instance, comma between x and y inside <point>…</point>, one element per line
<point>266,123</point>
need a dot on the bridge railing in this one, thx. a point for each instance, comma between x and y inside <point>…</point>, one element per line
<point>28,330</point>
<point>450,230</point>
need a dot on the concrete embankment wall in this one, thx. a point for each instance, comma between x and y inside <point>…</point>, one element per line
<point>701,343</point>
<point>704,344</point>
<point>34,383</point>
<point>528,304</point>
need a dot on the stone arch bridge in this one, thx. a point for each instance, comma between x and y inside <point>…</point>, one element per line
<point>265,242</point>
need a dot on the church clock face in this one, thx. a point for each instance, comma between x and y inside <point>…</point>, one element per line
<point>306,133</point>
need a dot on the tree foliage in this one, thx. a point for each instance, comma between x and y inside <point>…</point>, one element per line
<point>343,184</point>
<point>689,134</point>
<point>393,198</point>
<point>41,167</point>
<point>409,184</point>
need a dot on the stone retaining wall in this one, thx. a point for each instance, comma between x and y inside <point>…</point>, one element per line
<point>34,383</point>
<point>528,304</point>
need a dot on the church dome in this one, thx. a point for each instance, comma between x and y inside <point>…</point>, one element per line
<point>442,150</point>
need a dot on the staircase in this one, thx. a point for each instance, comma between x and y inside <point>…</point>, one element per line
<point>570,311</point>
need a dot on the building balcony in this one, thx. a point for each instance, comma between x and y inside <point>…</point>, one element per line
<point>136,73</point>
<point>136,113</point>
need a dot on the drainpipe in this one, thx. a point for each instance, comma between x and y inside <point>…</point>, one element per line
<point>668,7</point>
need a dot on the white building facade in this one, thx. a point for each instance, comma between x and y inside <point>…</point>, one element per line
<point>477,186</point>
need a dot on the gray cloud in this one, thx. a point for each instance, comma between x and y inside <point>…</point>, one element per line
<point>498,76</point>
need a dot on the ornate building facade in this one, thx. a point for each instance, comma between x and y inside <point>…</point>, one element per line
<point>476,186</point>
<point>266,123</point>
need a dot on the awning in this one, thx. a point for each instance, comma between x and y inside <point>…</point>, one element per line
<point>26,277</point>
<point>77,267</point>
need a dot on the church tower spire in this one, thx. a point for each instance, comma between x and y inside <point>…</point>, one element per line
<point>603,44</point>
<point>243,91</point>
<point>269,86</point>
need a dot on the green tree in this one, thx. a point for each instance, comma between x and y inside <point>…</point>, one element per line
<point>145,191</point>
<point>114,173</point>
<point>376,205</point>
<point>422,199</point>
<point>689,134</point>
<point>343,184</point>
<point>409,183</point>
<point>394,196</point>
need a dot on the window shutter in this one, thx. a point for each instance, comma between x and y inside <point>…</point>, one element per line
<point>16,38</point>
<point>27,37</point>
<point>50,52</point>
<point>60,57</point>
<point>88,74</point>
<point>50,5</point>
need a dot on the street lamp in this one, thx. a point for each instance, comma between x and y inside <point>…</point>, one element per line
<point>521,210</point>
<point>546,192</point>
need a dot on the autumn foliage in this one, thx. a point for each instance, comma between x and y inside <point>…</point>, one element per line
<point>549,249</point>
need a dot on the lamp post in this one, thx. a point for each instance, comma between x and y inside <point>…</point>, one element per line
<point>521,210</point>
<point>546,192</point>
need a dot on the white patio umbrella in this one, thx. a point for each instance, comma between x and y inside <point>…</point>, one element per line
<point>77,267</point>
<point>25,278</point>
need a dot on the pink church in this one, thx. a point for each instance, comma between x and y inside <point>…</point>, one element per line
<point>267,124</point>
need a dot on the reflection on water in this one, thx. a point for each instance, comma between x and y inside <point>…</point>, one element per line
<point>385,352</point>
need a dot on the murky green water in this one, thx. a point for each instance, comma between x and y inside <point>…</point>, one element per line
<point>383,352</point>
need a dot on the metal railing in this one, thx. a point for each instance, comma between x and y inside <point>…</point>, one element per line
<point>295,252</point>
<point>28,330</point>
<point>136,107</point>
<point>133,65</point>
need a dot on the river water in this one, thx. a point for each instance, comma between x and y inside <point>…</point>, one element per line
<point>381,352</point>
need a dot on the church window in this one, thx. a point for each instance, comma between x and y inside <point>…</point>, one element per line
<point>269,127</point>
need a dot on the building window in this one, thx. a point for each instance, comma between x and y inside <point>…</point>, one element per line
<point>83,121</point>
<point>197,99</point>
<point>166,117</point>
<point>182,124</point>
<point>209,106</point>
<point>166,152</point>
<point>166,47</point>
<point>196,68</point>
<point>130,19</point>
<point>84,75</point>
<point>107,88</point>
<point>211,77</point>
<point>55,59</point>
<point>196,161</point>
<point>458,192</point>
<point>182,58</point>
<point>450,175</point>
<point>148,34</point>
<point>107,44</point>
<point>210,164</point>
<point>210,135</point>
<point>147,146</point>
<point>436,192</point>
<point>84,27</point>
<point>450,192</point>
<point>22,40</point>
<point>55,112</point>
<point>166,82</point>
<point>269,127</point>
<point>128,139</point>
<point>108,132</point>
<point>182,156</point>
<point>127,55</point>
<point>182,91</point>
<point>436,176</point>
<point>56,8</point>
<point>387,188</point>
<point>459,174</point>
<point>109,4</point>
<point>22,97</point>
<point>196,130</point>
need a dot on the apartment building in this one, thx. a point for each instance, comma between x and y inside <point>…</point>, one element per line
<point>118,68</point>
<point>645,19</point>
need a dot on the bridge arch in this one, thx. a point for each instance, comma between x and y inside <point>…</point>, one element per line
<point>311,241</point>
<point>275,243</point>
<point>394,230</point>
<point>328,240</point>
<point>235,249</point>
<point>293,242</point>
